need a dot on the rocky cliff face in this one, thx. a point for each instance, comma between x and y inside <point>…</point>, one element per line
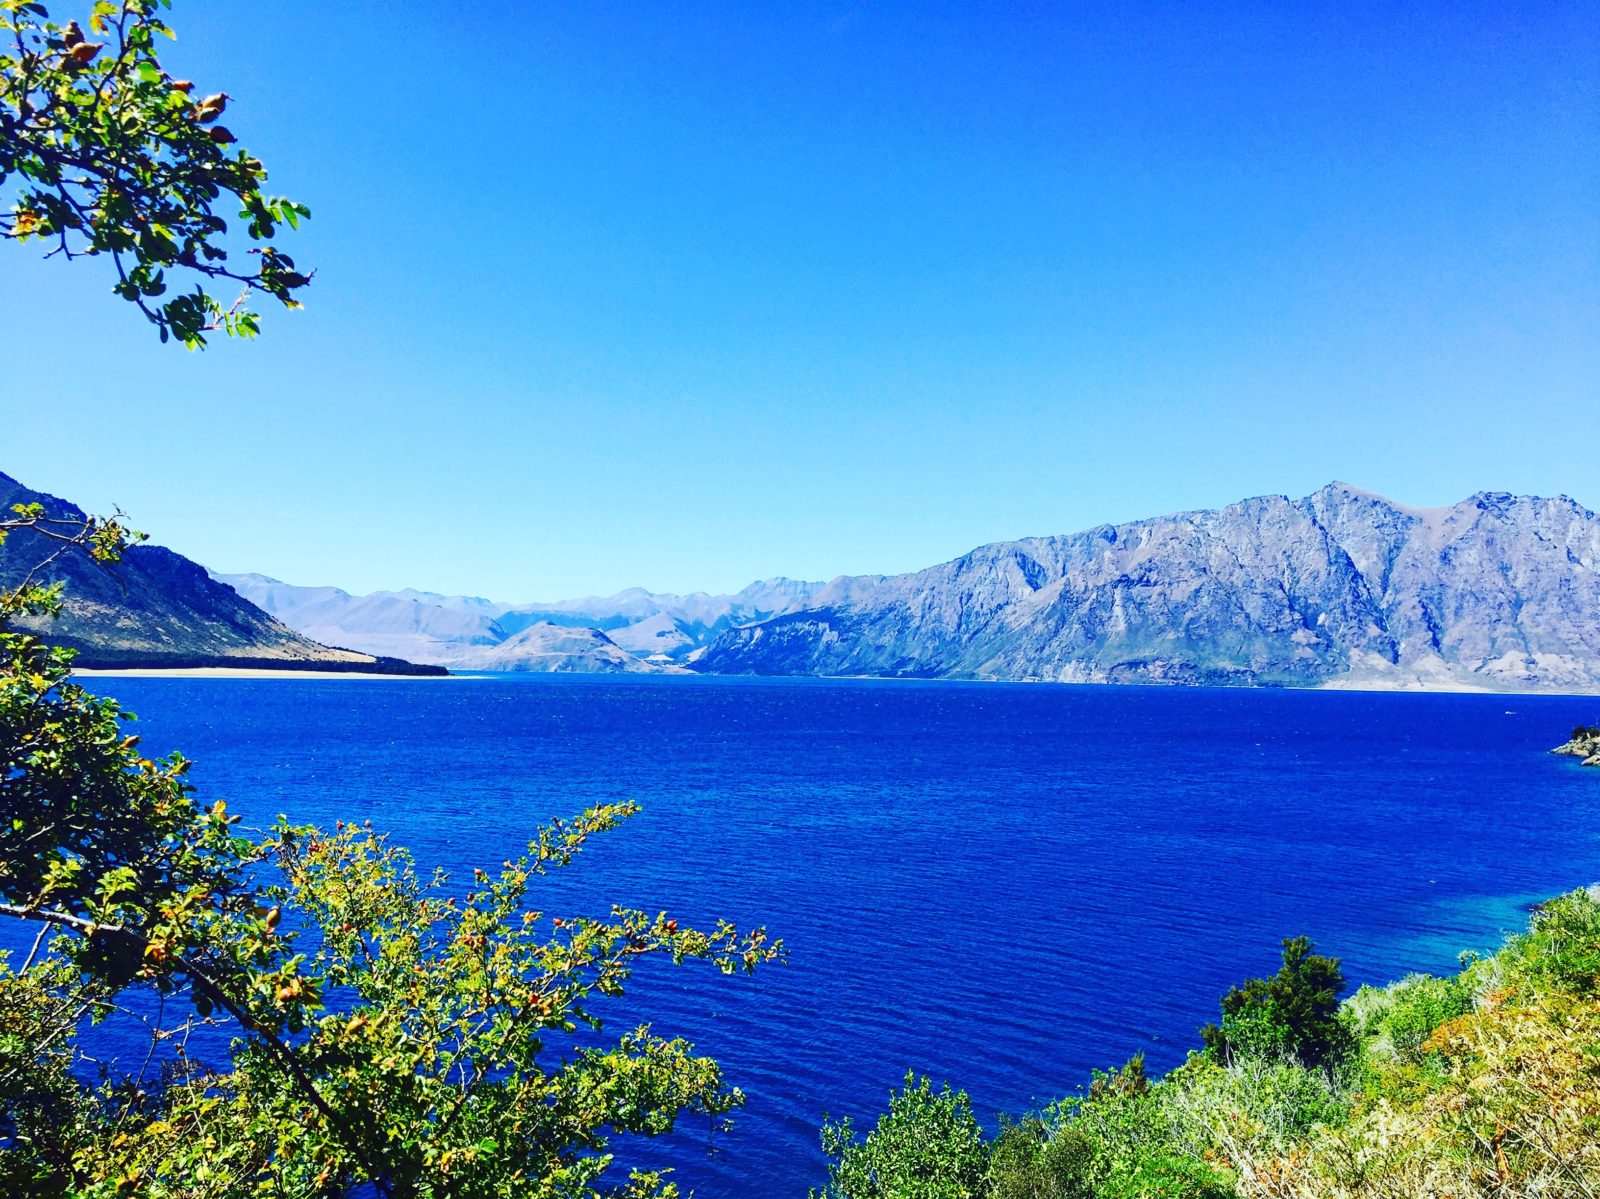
<point>1340,588</point>
<point>157,608</point>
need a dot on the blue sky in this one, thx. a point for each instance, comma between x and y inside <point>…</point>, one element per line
<point>685,295</point>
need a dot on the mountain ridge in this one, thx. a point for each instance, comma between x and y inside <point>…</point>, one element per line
<point>1340,588</point>
<point>1264,591</point>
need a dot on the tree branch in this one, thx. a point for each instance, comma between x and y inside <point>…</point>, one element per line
<point>205,984</point>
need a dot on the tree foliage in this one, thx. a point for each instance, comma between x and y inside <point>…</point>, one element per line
<point>321,1018</point>
<point>386,1033</point>
<point>927,1146</point>
<point>1295,1012</point>
<point>1031,1159</point>
<point>103,153</point>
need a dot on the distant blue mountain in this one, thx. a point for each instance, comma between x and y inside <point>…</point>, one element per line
<point>639,629</point>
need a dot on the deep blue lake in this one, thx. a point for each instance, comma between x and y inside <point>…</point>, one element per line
<point>999,885</point>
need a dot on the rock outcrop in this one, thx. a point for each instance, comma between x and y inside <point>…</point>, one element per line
<point>1585,744</point>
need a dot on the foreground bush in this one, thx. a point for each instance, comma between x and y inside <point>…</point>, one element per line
<point>928,1144</point>
<point>357,1028</point>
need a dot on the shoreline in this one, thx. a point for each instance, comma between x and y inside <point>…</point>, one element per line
<point>257,672</point>
<point>239,672</point>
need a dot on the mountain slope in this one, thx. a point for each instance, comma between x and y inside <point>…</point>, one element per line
<point>550,649</point>
<point>157,608</point>
<point>1342,587</point>
<point>664,625</point>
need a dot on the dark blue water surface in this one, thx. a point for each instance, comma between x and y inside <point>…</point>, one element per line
<point>999,885</point>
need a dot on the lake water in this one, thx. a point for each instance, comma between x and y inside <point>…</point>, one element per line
<point>999,885</point>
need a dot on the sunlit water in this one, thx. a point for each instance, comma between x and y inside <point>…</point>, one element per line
<point>1003,886</point>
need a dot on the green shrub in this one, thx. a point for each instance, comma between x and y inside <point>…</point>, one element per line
<point>1422,1004</point>
<point>1121,1116</point>
<point>1561,948</point>
<point>1392,1023</point>
<point>1363,1012</point>
<point>1031,1161</point>
<point>1252,1106</point>
<point>928,1145</point>
<point>1482,1085</point>
<point>1294,1013</point>
<point>1138,1138</point>
<point>1166,1176</point>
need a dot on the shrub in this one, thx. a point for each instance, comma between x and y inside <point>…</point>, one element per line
<point>1393,1022</point>
<point>1246,1110</point>
<point>1031,1161</point>
<point>1122,1117</point>
<point>1294,1013</point>
<point>1167,1176</point>
<point>1562,945</point>
<point>1481,1086</point>
<point>1501,1099</point>
<point>928,1145</point>
<point>1422,1004</point>
<point>1138,1138</point>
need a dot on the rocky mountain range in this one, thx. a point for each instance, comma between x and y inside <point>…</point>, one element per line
<point>638,629</point>
<point>1341,588</point>
<point>157,608</point>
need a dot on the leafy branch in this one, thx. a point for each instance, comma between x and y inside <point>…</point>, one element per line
<point>102,152</point>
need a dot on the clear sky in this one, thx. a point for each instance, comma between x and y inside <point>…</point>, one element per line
<point>684,295</point>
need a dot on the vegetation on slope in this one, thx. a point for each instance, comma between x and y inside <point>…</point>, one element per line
<point>157,609</point>
<point>1483,1084</point>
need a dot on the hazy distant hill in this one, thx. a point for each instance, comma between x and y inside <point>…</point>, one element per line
<point>407,624</point>
<point>426,627</point>
<point>550,649</point>
<point>1343,587</point>
<point>157,608</point>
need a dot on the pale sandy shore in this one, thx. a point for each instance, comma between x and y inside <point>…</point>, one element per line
<point>1412,687</point>
<point>237,672</point>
